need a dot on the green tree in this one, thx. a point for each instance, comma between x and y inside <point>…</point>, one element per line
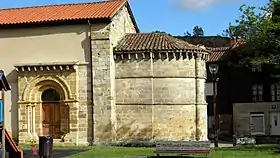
<point>198,31</point>
<point>188,34</point>
<point>260,28</point>
<point>157,31</point>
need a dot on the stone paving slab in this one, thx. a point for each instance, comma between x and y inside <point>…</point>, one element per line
<point>63,153</point>
<point>222,144</point>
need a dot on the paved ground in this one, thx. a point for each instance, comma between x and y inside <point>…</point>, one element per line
<point>222,144</point>
<point>57,153</point>
<point>63,153</point>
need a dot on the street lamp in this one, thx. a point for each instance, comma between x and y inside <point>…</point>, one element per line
<point>213,68</point>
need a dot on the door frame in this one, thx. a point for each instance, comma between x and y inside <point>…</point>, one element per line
<point>251,122</point>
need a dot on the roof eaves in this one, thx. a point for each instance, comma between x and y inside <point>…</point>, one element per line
<point>126,3</point>
<point>53,5</point>
<point>133,18</point>
<point>61,20</point>
<point>117,51</point>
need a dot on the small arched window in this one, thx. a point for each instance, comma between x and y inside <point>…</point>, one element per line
<point>50,95</point>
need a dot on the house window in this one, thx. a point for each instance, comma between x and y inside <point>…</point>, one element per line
<point>257,69</point>
<point>275,92</point>
<point>257,92</point>
<point>257,123</point>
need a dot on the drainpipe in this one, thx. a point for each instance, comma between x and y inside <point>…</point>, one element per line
<point>91,83</point>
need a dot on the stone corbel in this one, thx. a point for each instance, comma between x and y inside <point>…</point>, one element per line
<point>198,56</point>
<point>47,67</point>
<point>181,55</point>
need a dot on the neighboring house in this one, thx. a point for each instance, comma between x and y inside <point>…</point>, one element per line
<point>256,110</point>
<point>221,49</point>
<point>248,99</point>
<point>251,95</point>
<point>84,72</point>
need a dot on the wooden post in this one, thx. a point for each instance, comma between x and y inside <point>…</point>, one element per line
<point>216,123</point>
<point>3,130</point>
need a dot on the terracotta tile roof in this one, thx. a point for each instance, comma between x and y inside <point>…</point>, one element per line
<point>153,42</point>
<point>224,53</point>
<point>63,12</point>
<point>237,44</point>
<point>218,54</point>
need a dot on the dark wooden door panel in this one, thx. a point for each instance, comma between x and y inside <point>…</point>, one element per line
<point>56,121</point>
<point>51,119</point>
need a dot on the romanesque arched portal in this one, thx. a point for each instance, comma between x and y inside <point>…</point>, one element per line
<point>45,100</point>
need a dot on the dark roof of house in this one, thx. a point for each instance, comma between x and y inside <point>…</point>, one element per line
<point>62,12</point>
<point>153,42</point>
<point>221,48</point>
<point>208,41</point>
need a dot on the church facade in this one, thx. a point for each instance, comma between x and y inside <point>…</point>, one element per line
<point>92,78</point>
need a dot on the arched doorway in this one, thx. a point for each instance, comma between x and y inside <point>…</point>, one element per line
<point>51,113</point>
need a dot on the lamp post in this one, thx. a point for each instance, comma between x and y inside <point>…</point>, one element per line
<point>213,68</point>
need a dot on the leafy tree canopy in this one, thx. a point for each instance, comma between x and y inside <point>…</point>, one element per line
<point>260,28</point>
<point>157,31</point>
<point>198,31</point>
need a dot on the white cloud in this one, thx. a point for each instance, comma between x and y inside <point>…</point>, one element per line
<point>197,4</point>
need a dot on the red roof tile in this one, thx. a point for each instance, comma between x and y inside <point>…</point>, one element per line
<point>153,42</point>
<point>63,12</point>
<point>224,53</point>
<point>218,54</point>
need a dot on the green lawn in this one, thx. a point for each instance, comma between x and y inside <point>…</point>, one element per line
<point>261,151</point>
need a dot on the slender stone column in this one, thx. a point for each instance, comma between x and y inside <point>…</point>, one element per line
<point>23,123</point>
<point>201,106</point>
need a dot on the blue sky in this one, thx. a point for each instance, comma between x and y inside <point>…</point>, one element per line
<point>172,16</point>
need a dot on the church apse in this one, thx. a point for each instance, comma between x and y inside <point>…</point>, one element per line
<point>160,89</point>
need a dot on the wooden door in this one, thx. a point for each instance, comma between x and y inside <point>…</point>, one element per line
<point>51,120</point>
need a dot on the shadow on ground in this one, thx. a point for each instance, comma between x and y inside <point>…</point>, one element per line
<point>57,153</point>
<point>272,149</point>
<point>253,147</point>
<point>179,156</point>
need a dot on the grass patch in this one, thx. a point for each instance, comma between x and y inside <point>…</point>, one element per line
<point>258,151</point>
<point>103,151</point>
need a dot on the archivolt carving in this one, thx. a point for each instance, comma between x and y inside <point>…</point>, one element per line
<point>35,87</point>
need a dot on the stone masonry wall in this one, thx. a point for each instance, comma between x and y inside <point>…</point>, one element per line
<point>158,99</point>
<point>85,105</point>
<point>103,87</point>
<point>120,25</point>
<point>103,68</point>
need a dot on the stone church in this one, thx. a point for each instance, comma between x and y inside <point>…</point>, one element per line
<point>83,74</point>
